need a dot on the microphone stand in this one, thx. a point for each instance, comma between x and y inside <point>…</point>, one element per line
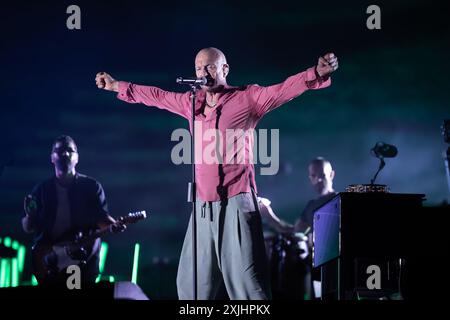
<point>192,196</point>
<point>382,164</point>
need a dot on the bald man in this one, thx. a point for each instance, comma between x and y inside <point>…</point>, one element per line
<point>321,175</point>
<point>230,246</point>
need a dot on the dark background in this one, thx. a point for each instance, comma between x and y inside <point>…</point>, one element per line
<point>392,86</point>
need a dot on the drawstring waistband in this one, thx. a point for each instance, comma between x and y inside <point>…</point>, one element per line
<point>203,208</point>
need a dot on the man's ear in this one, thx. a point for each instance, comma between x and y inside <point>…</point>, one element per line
<point>76,158</point>
<point>226,69</point>
<point>332,174</point>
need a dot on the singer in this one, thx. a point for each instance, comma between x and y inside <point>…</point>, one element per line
<point>231,251</point>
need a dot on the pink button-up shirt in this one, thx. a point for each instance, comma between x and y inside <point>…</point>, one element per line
<point>238,108</point>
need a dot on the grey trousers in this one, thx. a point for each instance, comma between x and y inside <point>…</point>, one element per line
<point>230,252</point>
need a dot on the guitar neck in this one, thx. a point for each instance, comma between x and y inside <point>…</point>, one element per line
<point>94,235</point>
<point>131,218</point>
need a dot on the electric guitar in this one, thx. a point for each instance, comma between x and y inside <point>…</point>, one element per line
<point>74,248</point>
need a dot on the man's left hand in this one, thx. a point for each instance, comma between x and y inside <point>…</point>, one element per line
<point>327,64</point>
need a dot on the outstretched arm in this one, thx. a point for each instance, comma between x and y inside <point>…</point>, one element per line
<point>174,102</point>
<point>317,77</point>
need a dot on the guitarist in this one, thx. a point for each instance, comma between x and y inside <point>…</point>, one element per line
<point>67,202</point>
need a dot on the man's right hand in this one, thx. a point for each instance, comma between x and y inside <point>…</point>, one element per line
<point>105,81</point>
<point>30,205</point>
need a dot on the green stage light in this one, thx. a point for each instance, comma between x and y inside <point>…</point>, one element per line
<point>34,281</point>
<point>14,272</point>
<point>21,257</point>
<point>2,272</point>
<point>15,245</point>
<point>135,263</point>
<point>7,242</point>
<point>102,262</point>
<point>5,273</point>
<point>103,253</point>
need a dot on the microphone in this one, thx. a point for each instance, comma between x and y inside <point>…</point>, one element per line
<point>192,81</point>
<point>384,150</point>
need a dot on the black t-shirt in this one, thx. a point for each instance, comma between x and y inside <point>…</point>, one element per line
<point>87,203</point>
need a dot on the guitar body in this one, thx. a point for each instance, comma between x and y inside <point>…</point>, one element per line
<point>50,259</point>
